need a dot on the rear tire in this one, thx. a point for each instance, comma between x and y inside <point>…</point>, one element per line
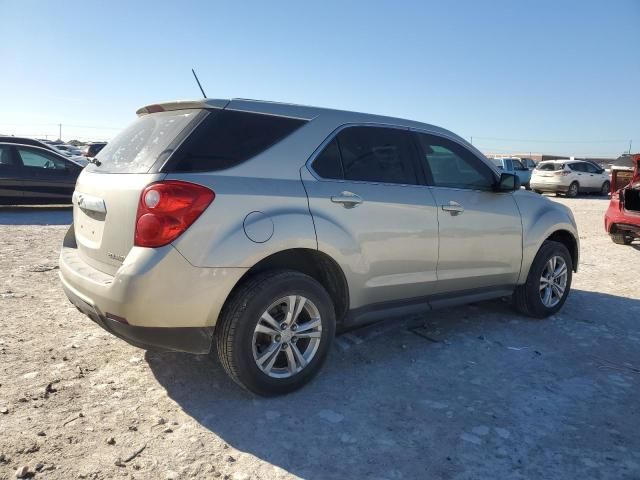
<point>244,339</point>
<point>573,190</point>
<point>539,192</point>
<point>606,186</point>
<point>621,238</point>
<point>529,298</point>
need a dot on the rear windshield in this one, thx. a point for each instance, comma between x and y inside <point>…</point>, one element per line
<point>138,147</point>
<point>550,166</point>
<point>227,138</point>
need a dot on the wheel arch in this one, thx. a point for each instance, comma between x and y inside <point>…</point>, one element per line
<point>319,266</point>
<point>568,240</point>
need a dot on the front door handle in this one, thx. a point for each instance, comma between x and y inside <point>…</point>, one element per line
<point>347,199</point>
<point>454,208</point>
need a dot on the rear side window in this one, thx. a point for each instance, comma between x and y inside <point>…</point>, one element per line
<point>577,167</point>
<point>377,154</point>
<point>227,138</point>
<point>138,147</point>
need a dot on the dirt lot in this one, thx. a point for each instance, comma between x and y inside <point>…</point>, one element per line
<point>489,393</point>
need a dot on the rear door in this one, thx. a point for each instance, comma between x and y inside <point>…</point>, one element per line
<point>47,177</point>
<point>480,230</point>
<point>371,213</point>
<point>11,181</point>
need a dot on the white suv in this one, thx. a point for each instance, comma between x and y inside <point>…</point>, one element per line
<point>570,177</point>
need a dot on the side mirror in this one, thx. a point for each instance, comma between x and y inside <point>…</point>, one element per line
<point>508,183</point>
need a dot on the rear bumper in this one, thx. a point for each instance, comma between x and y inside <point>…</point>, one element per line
<point>549,187</point>
<point>178,339</point>
<point>166,301</point>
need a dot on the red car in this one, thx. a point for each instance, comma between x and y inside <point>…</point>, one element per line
<point>622,219</point>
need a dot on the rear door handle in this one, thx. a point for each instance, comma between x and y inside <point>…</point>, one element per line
<point>454,208</point>
<point>347,199</point>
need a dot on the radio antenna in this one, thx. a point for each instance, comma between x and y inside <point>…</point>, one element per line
<point>199,85</point>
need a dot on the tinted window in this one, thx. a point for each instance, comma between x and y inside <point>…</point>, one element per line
<point>451,165</point>
<point>328,163</point>
<point>591,168</point>
<point>40,160</point>
<point>517,165</point>
<point>227,138</point>
<point>550,166</point>
<point>577,167</point>
<point>376,154</point>
<point>136,149</point>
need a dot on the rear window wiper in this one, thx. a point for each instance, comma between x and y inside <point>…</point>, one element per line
<point>95,161</point>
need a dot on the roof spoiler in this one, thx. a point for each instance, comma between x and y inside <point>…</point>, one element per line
<point>183,105</point>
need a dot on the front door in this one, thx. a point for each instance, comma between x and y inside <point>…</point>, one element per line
<point>372,216</point>
<point>480,229</point>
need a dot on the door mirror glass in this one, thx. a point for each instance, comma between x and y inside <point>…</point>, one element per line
<point>508,183</point>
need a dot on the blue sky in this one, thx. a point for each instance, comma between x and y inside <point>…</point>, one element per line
<point>553,76</point>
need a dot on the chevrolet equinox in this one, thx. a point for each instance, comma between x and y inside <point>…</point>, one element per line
<point>264,227</point>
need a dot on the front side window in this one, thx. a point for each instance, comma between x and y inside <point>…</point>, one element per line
<point>451,165</point>
<point>40,160</point>
<point>377,154</point>
<point>517,165</point>
<point>591,168</point>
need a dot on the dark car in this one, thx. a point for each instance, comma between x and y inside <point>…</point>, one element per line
<point>93,149</point>
<point>34,175</point>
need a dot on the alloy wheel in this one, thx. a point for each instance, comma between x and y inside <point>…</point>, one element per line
<point>553,281</point>
<point>287,336</point>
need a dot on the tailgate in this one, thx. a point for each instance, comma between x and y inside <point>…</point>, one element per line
<point>104,216</point>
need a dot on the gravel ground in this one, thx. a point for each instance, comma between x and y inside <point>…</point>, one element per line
<point>465,393</point>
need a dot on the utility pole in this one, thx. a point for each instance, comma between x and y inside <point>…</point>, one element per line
<point>471,140</point>
<point>60,131</point>
<point>630,141</point>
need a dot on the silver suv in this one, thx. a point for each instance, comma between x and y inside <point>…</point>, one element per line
<point>264,227</point>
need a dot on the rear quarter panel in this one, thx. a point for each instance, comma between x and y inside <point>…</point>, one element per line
<point>541,217</point>
<point>218,237</point>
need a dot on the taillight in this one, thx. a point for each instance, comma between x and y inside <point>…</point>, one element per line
<point>562,172</point>
<point>166,209</point>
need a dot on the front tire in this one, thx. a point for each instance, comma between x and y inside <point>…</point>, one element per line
<point>548,282</point>
<point>275,332</point>
<point>606,186</point>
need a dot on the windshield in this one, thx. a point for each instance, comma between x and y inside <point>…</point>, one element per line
<point>136,148</point>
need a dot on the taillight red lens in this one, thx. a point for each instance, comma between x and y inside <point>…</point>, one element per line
<point>562,172</point>
<point>166,209</point>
